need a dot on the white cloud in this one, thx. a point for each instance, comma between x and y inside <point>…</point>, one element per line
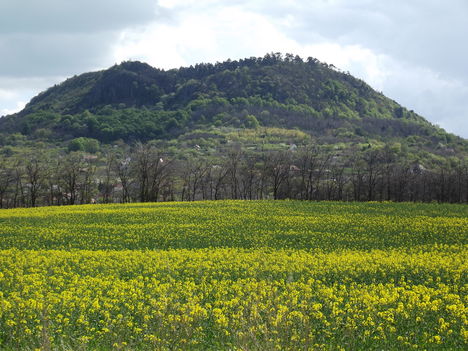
<point>362,62</point>
<point>214,35</point>
<point>442,100</point>
<point>6,95</point>
<point>6,111</point>
<point>16,92</point>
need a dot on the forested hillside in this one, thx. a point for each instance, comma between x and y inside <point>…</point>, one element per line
<point>134,101</point>
<point>272,127</point>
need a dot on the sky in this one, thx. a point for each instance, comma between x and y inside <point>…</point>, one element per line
<point>414,51</point>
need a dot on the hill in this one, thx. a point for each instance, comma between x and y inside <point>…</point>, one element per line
<point>261,128</point>
<point>136,102</point>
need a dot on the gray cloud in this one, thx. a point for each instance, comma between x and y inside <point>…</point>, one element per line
<point>70,16</point>
<point>429,32</point>
<point>25,55</point>
<point>64,37</point>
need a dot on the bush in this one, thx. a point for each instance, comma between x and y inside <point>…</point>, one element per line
<point>84,144</point>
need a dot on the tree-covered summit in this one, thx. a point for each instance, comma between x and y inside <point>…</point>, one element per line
<point>133,101</point>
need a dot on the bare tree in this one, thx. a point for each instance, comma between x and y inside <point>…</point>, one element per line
<point>124,170</point>
<point>106,187</point>
<point>87,184</point>
<point>54,182</point>
<point>277,167</point>
<point>192,176</point>
<point>143,169</point>
<point>232,166</point>
<point>69,176</point>
<point>34,172</point>
<point>19,198</point>
<point>152,171</point>
<point>249,178</point>
<point>372,171</point>
<point>357,177</point>
<point>6,179</point>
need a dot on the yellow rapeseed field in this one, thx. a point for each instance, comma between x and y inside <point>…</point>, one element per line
<point>234,275</point>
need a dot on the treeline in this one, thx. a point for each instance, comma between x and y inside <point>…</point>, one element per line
<point>147,174</point>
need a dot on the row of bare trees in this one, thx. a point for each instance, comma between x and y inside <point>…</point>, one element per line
<point>147,174</point>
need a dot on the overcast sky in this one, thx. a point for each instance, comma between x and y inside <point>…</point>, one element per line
<point>414,51</point>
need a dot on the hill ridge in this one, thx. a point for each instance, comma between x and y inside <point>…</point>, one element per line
<point>135,101</point>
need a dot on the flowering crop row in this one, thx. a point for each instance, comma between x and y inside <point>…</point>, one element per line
<point>282,224</point>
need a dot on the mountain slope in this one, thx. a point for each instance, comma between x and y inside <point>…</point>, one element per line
<point>134,101</point>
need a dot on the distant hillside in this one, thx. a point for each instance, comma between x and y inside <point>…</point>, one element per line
<point>136,102</point>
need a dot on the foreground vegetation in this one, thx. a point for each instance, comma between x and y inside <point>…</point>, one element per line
<point>235,275</point>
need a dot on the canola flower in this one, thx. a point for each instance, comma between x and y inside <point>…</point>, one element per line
<point>235,275</point>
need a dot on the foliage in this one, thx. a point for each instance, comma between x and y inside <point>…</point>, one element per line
<point>135,102</point>
<point>84,144</point>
